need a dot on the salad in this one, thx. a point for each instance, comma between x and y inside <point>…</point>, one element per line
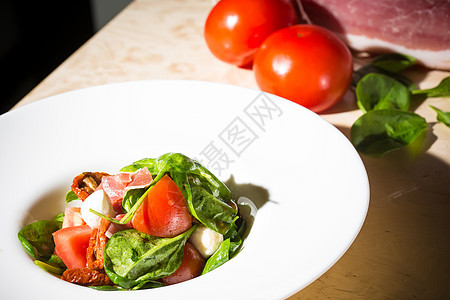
<point>157,222</point>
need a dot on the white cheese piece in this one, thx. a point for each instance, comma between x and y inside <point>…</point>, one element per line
<point>206,240</point>
<point>98,201</point>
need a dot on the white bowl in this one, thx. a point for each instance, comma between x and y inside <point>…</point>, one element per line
<point>307,180</point>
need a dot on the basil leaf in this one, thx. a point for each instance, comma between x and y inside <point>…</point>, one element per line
<point>133,258</point>
<point>380,131</point>
<point>209,210</point>
<point>37,238</point>
<point>368,69</point>
<point>394,62</point>
<point>219,257</point>
<point>49,267</point>
<point>130,198</point>
<point>71,196</point>
<point>442,116</point>
<point>59,217</point>
<point>378,91</point>
<point>56,261</point>
<point>149,284</point>
<point>441,90</point>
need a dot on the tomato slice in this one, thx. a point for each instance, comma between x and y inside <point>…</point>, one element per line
<point>71,244</point>
<point>164,212</point>
<point>191,266</point>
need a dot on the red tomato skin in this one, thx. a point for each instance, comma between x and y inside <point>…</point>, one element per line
<point>235,29</point>
<point>71,244</point>
<point>164,212</point>
<point>191,266</point>
<point>306,64</point>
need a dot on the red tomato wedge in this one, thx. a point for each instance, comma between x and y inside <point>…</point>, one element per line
<point>71,244</point>
<point>191,266</point>
<point>164,212</point>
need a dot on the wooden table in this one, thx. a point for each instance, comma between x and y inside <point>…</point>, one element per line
<point>403,249</point>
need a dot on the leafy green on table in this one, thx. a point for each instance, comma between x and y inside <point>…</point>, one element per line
<point>377,91</point>
<point>441,90</point>
<point>394,62</point>
<point>384,96</point>
<point>380,131</point>
<point>442,116</point>
<point>389,65</point>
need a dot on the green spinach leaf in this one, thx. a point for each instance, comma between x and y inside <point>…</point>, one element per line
<point>442,116</point>
<point>380,131</point>
<point>369,69</point>
<point>219,257</point>
<point>71,196</point>
<point>37,238</point>
<point>212,212</point>
<point>377,91</point>
<point>149,284</point>
<point>131,197</point>
<point>49,267</point>
<point>235,234</point>
<point>441,90</point>
<point>59,217</point>
<point>133,258</point>
<point>394,62</point>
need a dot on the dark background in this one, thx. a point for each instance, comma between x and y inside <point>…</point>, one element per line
<point>37,36</point>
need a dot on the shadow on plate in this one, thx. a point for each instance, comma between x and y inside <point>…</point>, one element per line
<point>243,192</point>
<point>257,194</point>
<point>47,206</point>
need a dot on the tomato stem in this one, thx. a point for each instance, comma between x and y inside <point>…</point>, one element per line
<point>303,13</point>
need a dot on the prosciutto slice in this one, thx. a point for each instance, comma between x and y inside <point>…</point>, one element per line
<point>139,179</point>
<point>420,28</point>
<point>116,185</point>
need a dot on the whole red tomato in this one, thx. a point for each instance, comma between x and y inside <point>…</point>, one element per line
<point>306,64</point>
<point>235,29</point>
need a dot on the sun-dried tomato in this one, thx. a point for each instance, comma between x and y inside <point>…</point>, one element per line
<point>97,243</point>
<point>85,184</point>
<point>87,277</point>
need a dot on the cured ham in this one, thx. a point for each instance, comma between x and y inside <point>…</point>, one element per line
<point>139,179</point>
<point>116,185</point>
<point>419,28</point>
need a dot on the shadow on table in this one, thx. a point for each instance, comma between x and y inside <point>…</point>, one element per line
<point>404,244</point>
